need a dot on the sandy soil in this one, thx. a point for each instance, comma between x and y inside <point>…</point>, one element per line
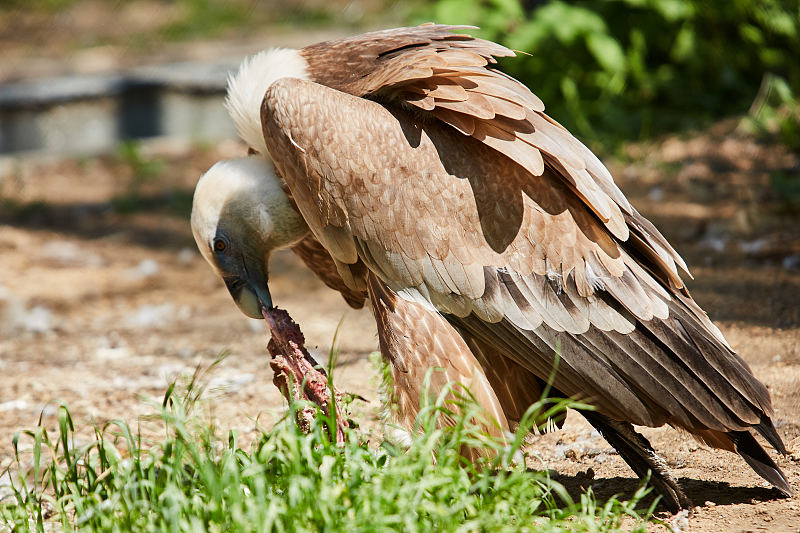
<point>100,308</point>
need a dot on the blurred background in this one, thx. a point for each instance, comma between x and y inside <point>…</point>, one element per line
<point>111,109</point>
<point>611,70</point>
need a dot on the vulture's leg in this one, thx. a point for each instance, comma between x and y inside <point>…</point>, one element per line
<point>640,456</point>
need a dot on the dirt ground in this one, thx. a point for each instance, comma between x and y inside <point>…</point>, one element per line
<point>104,300</point>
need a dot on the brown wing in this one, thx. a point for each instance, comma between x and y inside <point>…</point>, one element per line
<point>452,77</point>
<point>517,260</point>
<point>320,262</point>
<point>516,388</point>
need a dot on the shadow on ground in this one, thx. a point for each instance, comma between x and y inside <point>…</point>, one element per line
<point>698,491</point>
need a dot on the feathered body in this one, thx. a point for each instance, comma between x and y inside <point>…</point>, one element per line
<point>436,185</point>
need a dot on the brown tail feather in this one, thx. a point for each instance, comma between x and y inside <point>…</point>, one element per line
<point>758,459</point>
<point>767,430</point>
<point>743,443</point>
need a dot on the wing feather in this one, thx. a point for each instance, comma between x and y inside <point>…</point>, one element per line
<point>423,65</point>
<point>317,258</point>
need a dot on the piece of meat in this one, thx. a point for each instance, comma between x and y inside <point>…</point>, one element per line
<point>295,372</point>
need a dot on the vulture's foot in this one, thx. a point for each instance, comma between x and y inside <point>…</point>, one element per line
<point>640,456</point>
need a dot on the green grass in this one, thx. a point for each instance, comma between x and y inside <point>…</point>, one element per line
<point>194,479</point>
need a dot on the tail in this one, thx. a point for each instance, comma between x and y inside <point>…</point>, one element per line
<point>751,451</point>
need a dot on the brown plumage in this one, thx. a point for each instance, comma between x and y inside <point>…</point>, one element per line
<point>438,185</point>
<point>422,349</point>
<point>317,258</point>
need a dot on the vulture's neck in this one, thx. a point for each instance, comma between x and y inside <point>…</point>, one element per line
<point>247,87</point>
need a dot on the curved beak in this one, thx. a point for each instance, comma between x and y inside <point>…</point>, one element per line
<point>250,294</point>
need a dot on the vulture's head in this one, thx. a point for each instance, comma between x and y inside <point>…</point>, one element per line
<point>240,215</point>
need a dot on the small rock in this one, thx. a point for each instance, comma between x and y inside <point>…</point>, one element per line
<point>232,382</point>
<point>109,354</point>
<point>656,194</point>
<point>716,244</point>
<point>630,173</point>
<point>13,405</point>
<point>791,262</point>
<point>570,454</point>
<point>677,463</point>
<point>145,269</point>
<point>679,522</point>
<point>754,247</point>
<point>186,256</point>
<point>6,488</point>
<point>65,253</point>
<point>14,316</point>
<point>37,320</point>
<point>185,353</point>
<point>124,383</point>
<point>151,316</point>
<point>49,410</point>
<point>169,371</point>
<point>11,308</point>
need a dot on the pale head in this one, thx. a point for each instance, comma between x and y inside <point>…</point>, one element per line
<point>240,215</point>
<point>247,87</point>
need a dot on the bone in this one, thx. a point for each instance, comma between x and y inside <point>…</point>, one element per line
<point>295,373</point>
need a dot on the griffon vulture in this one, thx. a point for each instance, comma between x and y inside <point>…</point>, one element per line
<point>487,238</point>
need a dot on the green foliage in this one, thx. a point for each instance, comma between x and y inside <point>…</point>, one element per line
<point>48,6</point>
<point>194,480</point>
<point>143,168</point>
<point>775,115</point>
<point>632,68</point>
<point>206,18</point>
<point>775,112</point>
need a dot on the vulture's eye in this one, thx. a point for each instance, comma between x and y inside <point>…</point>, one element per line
<point>219,245</point>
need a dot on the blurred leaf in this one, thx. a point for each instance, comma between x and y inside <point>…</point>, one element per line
<point>568,22</point>
<point>451,10</point>
<point>527,37</point>
<point>775,113</point>
<point>607,51</point>
<point>684,43</point>
<point>751,33</point>
<point>674,10</point>
<point>510,8</point>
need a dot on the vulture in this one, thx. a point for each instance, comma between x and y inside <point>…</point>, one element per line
<point>407,171</point>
